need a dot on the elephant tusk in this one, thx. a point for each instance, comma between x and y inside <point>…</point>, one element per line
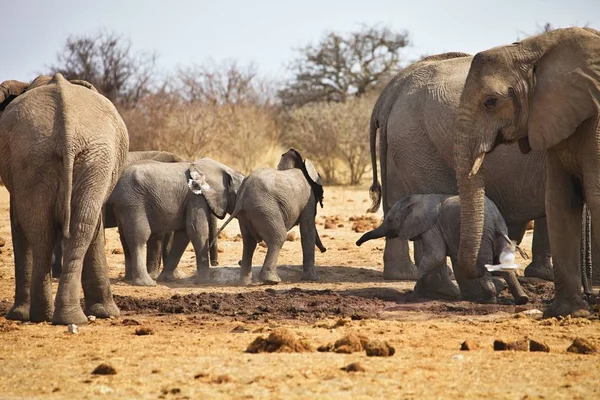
<point>476,165</point>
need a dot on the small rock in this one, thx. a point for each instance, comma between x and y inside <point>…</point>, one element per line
<point>329,225</point>
<point>103,389</point>
<point>325,348</point>
<point>240,329</point>
<point>291,236</point>
<point>72,328</point>
<point>458,357</point>
<point>582,346</point>
<point>200,375</point>
<point>104,369</point>
<point>468,345</point>
<point>377,348</point>
<point>175,391</point>
<point>117,250</point>
<point>144,331</point>
<point>340,225</point>
<point>534,345</point>
<point>222,379</point>
<point>533,313</point>
<point>130,322</point>
<point>354,367</point>
<point>91,318</point>
<point>518,345</point>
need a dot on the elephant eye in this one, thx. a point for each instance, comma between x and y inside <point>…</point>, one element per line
<point>490,102</point>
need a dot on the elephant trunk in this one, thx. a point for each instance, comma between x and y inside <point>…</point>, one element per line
<point>379,232</point>
<point>375,189</point>
<point>472,198</point>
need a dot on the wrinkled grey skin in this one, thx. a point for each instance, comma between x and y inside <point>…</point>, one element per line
<point>270,203</point>
<point>544,93</point>
<point>62,149</point>
<point>435,220</point>
<point>155,244</point>
<point>415,115</point>
<point>153,198</point>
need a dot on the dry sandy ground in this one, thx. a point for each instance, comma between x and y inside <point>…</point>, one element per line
<point>197,349</point>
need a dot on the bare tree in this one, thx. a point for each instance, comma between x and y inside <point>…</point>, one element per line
<point>107,60</point>
<point>344,65</point>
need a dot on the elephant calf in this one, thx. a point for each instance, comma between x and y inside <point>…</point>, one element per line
<point>435,220</point>
<point>153,198</point>
<point>270,203</point>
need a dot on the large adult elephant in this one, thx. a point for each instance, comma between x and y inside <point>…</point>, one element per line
<point>543,92</point>
<point>62,149</point>
<point>415,114</point>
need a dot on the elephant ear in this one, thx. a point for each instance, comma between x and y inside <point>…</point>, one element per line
<point>314,179</point>
<point>10,90</point>
<point>567,86</point>
<point>84,84</point>
<point>418,214</point>
<point>211,182</point>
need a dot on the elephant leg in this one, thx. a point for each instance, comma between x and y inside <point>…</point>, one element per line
<point>173,250</point>
<point>197,231</point>
<point>564,206</point>
<point>135,238</point>
<point>308,236</point>
<point>96,284</point>
<point>268,273</point>
<point>397,264</point>
<point>57,256</point>
<point>248,252</point>
<point>23,266</point>
<point>541,263</point>
<point>128,260</point>
<point>596,257</point>
<point>434,280</point>
<point>214,249</point>
<point>154,247</point>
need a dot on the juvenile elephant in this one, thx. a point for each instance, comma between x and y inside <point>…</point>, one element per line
<point>435,220</point>
<point>155,244</point>
<point>62,149</point>
<point>270,203</point>
<point>543,92</point>
<point>153,198</point>
<point>415,115</point>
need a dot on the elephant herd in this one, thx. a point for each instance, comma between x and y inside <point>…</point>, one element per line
<point>454,181</point>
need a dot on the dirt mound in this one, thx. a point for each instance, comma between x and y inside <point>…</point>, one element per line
<point>308,305</point>
<point>354,343</point>
<point>332,221</point>
<point>279,341</point>
<point>364,223</point>
<point>582,346</point>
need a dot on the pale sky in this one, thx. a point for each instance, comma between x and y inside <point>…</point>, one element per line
<point>266,32</point>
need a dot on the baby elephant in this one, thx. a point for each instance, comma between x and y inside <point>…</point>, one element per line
<point>153,198</point>
<point>269,204</point>
<point>435,220</point>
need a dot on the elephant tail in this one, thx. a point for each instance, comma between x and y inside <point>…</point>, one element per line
<point>375,189</point>
<point>214,239</point>
<point>68,161</point>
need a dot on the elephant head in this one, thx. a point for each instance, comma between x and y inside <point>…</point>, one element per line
<point>293,159</point>
<point>536,92</point>
<point>218,184</point>
<point>9,90</point>
<point>409,218</point>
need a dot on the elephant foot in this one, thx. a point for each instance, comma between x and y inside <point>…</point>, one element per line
<point>245,280</point>
<point>128,276</point>
<point>144,280</point>
<point>170,276</point>
<point>202,276</point>
<point>400,272</point>
<point>540,270</point>
<point>436,285</point>
<point>154,274</point>
<point>270,277</point>
<point>214,263</point>
<point>19,312</point>
<point>69,315</point>
<point>561,307</point>
<point>499,283</point>
<point>310,276</point>
<point>480,290</point>
<point>103,310</point>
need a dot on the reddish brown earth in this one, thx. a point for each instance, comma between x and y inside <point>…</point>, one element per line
<point>181,341</point>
